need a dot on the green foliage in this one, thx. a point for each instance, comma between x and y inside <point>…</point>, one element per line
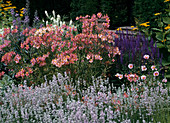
<point>84,7</point>
<point>5,82</point>
<point>143,10</point>
<point>5,14</point>
<point>117,10</point>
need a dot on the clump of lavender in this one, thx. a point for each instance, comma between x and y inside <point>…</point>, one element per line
<point>59,101</point>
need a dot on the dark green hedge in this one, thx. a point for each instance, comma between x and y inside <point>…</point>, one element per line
<point>144,10</point>
<point>121,12</point>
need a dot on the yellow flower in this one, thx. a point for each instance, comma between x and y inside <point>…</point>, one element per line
<point>135,29</point>
<point>119,29</point>
<point>144,24</point>
<point>22,8</point>
<point>168,27</point>
<point>2,13</point>
<point>0,9</point>
<point>2,5</point>
<point>157,14</point>
<point>9,4</point>
<point>164,40</point>
<point>166,0</point>
<point>8,1</point>
<point>132,26</point>
<point>21,15</point>
<point>12,7</point>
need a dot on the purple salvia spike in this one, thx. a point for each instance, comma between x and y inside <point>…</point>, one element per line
<point>121,59</point>
<point>158,53</point>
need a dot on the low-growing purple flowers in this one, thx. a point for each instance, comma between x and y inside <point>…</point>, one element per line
<point>58,101</point>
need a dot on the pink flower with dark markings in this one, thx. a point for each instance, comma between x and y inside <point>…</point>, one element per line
<point>156,73</point>
<point>146,56</point>
<point>130,66</point>
<point>143,77</point>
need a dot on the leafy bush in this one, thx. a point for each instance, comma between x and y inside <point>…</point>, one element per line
<point>5,82</point>
<point>143,10</point>
<point>5,14</point>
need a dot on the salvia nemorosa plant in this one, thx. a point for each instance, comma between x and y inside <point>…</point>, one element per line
<point>133,48</point>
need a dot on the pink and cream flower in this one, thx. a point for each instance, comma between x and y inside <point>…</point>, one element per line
<point>156,73</point>
<point>143,77</point>
<point>146,56</point>
<point>144,68</point>
<point>153,67</point>
<point>164,80</point>
<point>120,76</point>
<point>130,66</point>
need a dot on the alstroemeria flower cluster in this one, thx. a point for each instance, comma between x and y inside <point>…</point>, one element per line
<point>64,46</point>
<point>64,60</point>
<point>91,57</point>
<point>40,60</point>
<point>23,72</point>
<point>132,77</point>
<point>5,44</point>
<point>7,58</point>
<point>17,58</point>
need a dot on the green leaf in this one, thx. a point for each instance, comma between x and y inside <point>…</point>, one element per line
<point>160,45</point>
<point>168,46</point>
<point>1,85</point>
<point>159,36</point>
<point>169,58</point>
<point>166,20</point>
<point>156,29</point>
<point>167,76</point>
<point>167,10</point>
<point>168,37</point>
<point>165,62</point>
<point>160,24</point>
<point>167,32</point>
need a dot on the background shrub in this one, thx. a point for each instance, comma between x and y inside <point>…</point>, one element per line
<point>143,10</point>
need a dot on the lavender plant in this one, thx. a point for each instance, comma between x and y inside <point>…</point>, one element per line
<point>61,102</point>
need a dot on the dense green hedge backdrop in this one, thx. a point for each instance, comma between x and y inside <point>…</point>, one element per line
<point>121,12</point>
